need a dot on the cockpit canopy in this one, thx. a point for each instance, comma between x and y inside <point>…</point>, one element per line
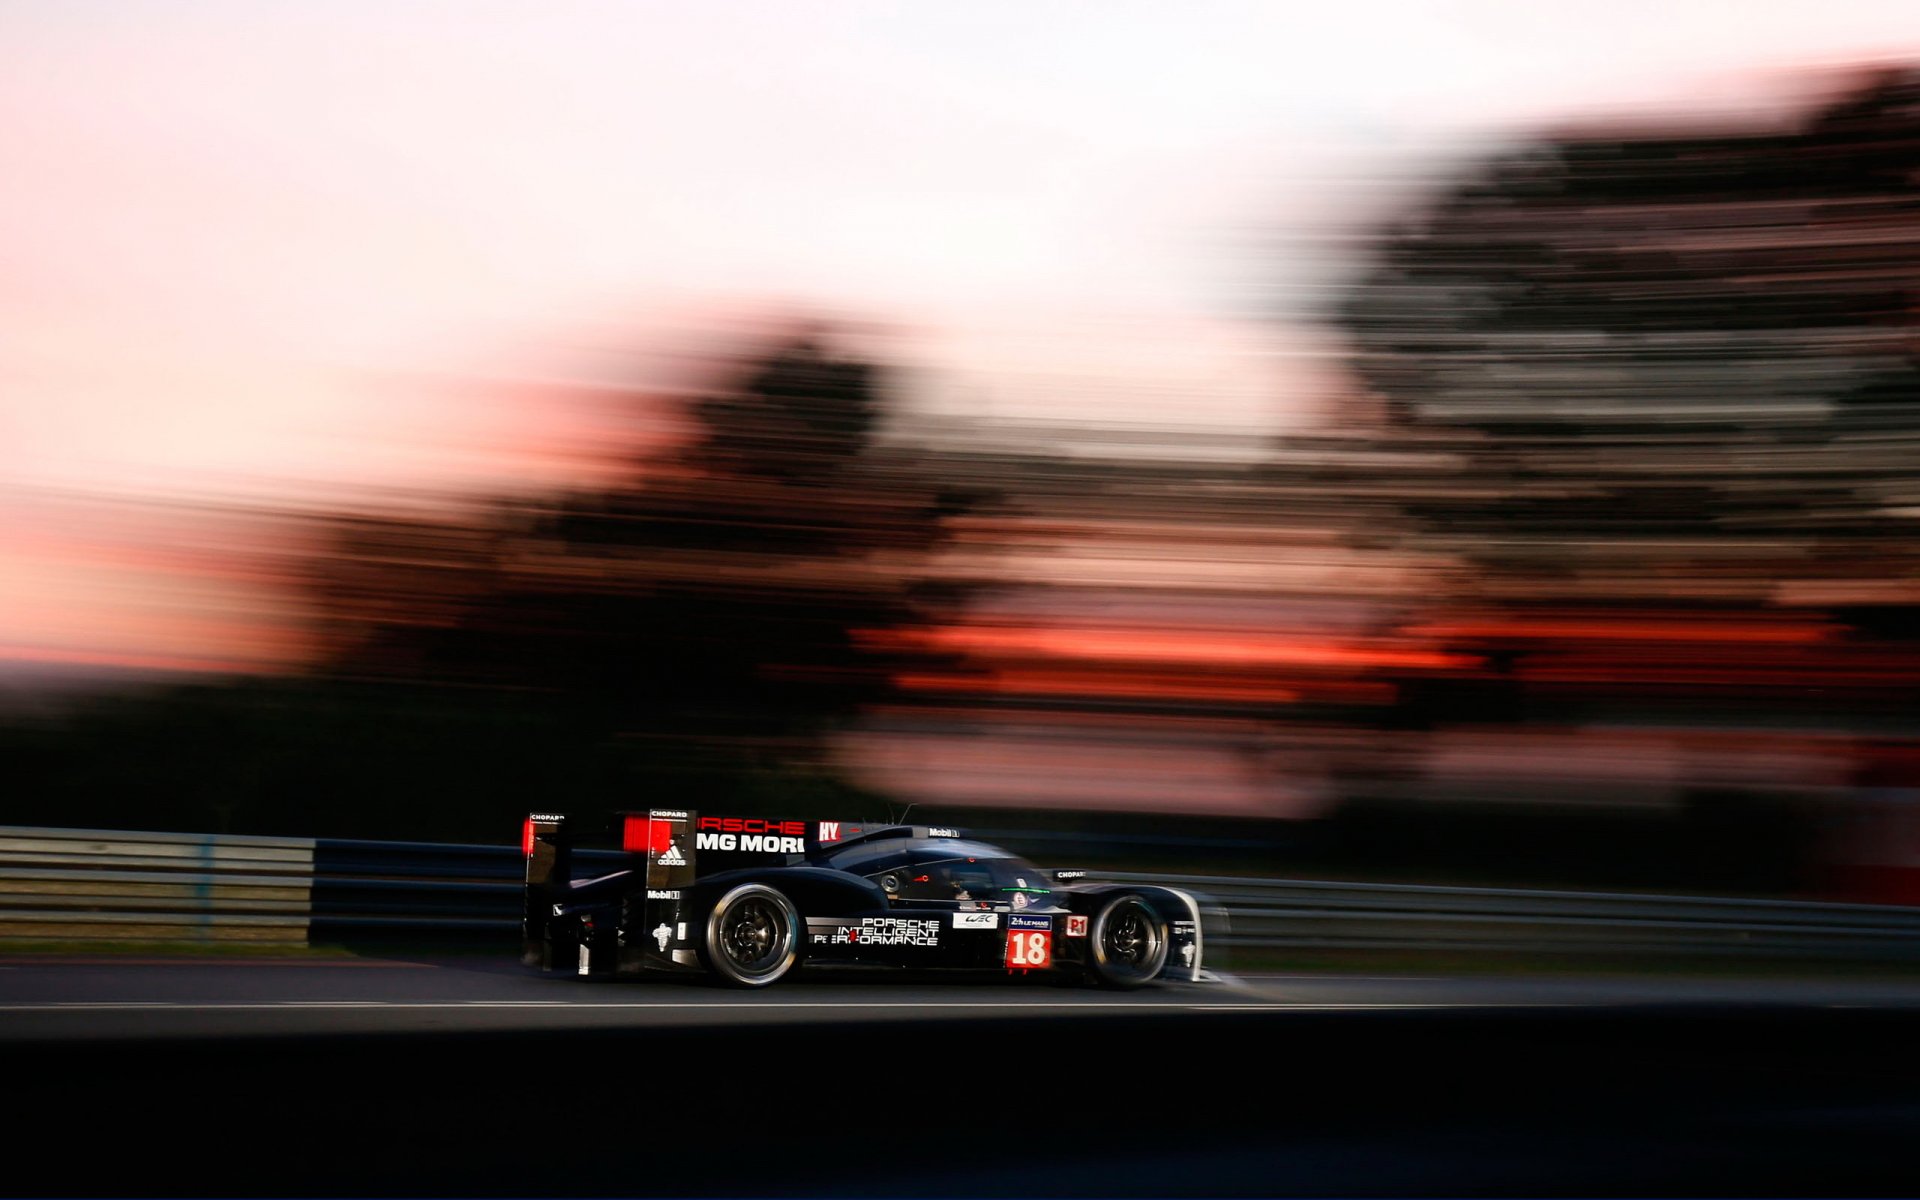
<point>950,872</point>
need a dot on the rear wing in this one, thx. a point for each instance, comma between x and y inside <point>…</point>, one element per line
<point>673,848</point>
<point>547,846</point>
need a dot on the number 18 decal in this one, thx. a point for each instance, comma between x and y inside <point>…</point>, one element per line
<point>1029,949</point>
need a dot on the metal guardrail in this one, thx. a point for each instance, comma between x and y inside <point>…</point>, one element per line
<point>425,889</point>
<point>73,884</point>
<point>1277,914</point>
<point>92,884</point>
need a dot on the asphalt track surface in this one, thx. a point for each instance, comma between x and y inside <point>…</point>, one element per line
<point>471,1077</point>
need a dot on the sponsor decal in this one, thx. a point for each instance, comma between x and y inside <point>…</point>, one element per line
<point>1188,940</point>
<point>976,920</point>
<point>663,893</point>
<point>679,813</point>
<point>545,817</point>
<point>669,854</point>
<point>681,931</point>
<point>662,934</point>
<point>1069,874</point>
<point>1029,943</point>
<point>766,842</point>
<point>877,931</point>
<point>829,831</point>
<point>1020,900</point>
<point>752,825</point>
<point>942,831</point>
<point>1076,927</point>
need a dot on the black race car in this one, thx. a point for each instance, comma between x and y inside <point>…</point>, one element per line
<point>749,901</point>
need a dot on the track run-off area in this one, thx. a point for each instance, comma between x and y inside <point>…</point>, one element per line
<point>80,998</point>
<point>469,1075</point>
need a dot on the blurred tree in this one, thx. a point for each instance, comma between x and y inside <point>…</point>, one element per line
<point>1675,369</point>
<point>683,636</point>
<point>1642,338</point>
<point>1676,376</point>
<point>700,621</point>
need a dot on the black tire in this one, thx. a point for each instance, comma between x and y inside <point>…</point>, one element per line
<point>753,936</point>
<point>1127,943</point>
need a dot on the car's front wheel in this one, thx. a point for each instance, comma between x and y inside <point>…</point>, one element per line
<point>1127,943</point>
<point>753,936</point>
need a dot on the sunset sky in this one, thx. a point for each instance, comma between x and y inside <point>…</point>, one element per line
<point>260,250</point>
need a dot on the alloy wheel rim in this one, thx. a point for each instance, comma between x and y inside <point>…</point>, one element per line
<point>752,935</point>
<point>1129,938</point>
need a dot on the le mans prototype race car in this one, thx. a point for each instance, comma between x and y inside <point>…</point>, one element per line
<point>749,901</point>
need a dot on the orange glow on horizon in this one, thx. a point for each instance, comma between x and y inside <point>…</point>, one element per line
<point>1037,683</point>
<point>1167,646</point>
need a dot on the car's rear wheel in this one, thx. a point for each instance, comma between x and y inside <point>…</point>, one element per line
<point>1127,943</point>
<point>753,936</point>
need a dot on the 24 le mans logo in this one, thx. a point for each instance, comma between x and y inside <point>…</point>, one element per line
<point>1029,943</point>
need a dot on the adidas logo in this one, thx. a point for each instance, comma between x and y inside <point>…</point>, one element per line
<point>672,856</point>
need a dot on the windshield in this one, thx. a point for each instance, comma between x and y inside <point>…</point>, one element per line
<point>997,882</point>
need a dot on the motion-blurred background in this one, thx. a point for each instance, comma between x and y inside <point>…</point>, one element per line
<point>1461,442</point>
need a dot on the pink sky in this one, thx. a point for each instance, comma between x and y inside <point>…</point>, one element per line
<point>257,249</point>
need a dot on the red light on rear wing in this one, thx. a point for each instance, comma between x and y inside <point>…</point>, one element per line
<point>526,838</point>
<point>645,834</point>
